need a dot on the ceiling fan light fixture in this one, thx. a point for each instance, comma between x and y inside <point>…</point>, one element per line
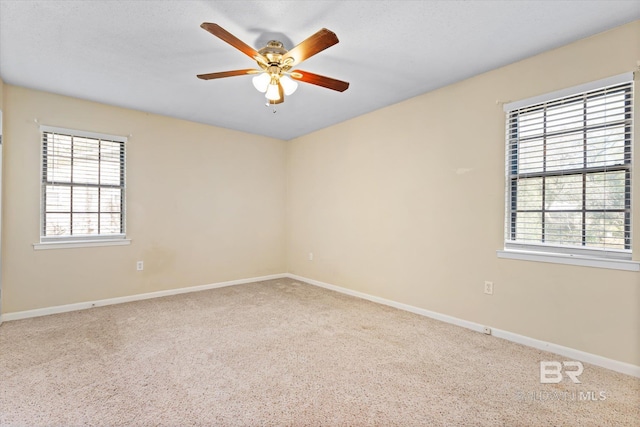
<point>273,92</point>
<point>288,85</point>
<point>261,82</point>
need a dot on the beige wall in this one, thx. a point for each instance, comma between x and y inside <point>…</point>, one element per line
<point>1,184</point>
<point>407,203</point>
<point>204,205</point>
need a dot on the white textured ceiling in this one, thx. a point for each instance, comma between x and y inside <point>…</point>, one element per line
<point>144,55</point>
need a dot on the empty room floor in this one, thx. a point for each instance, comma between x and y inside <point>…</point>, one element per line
<point>286,353</point>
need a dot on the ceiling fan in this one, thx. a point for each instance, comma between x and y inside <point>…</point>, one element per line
<point>276,77</point>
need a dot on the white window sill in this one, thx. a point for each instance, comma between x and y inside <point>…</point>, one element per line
<point>80,244</point>
<point>555,258</point>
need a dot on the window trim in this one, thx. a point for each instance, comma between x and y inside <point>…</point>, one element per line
<point>582,256</point>
<point>69,244</point>
<point>569,259</point>
<point>77,241</point>
<point>83,133</point>
<point>563,93</point>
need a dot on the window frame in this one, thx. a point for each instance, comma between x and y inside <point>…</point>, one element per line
<point>70,240</point>
<point>575,255</point>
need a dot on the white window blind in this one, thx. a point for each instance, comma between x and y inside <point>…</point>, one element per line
<point>568,165</point>
<point>83,185</point>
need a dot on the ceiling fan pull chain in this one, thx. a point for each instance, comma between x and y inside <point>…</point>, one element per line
<point>267,104</point>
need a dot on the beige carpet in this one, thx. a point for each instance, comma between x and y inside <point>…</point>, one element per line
<point>284,353</point>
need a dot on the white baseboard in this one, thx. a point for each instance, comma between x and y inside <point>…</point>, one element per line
<point>573,354</point>
<point>118,300</point>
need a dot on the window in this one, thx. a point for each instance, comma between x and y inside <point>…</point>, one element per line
<point>569,165</point>
<point>83,186</point>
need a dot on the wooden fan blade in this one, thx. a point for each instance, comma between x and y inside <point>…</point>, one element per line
<point>222,74</point>
<point>317,79</point>
<point>226,36</point>
<point>312,45</point>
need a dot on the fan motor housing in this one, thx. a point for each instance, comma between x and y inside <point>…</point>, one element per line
<point>273,51</point>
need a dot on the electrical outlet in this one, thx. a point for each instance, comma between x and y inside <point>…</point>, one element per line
<point>310,256</point>
<point>488,288</point>
<point>140,265</point>
<point>487,330</point>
